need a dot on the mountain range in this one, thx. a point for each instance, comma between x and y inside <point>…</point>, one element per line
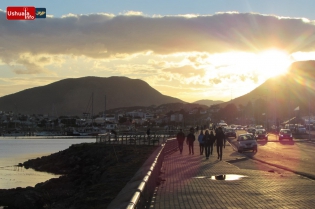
<point>74,96</point>
<point>208,102</point>
<point>286,92</point>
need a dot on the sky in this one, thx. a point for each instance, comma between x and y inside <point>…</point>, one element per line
<point>191,50</point>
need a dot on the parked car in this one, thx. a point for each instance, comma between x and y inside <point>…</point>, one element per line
<point>300,129</point>
<point>239,127</point>
<point>290,126</point>
<point>246,142</point>
<point>251,131</point>
<point>230,132</point>
<point>285,134</point>
<point>259,127</point>
<point>261,134</point>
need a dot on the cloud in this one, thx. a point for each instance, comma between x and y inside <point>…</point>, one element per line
<point>101,36</point>
<point>215,80</point>
<point>185,71</point>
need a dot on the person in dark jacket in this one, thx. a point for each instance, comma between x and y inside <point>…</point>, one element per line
<point>190,141</point>
<point>180,139</point>
<point>201,142</point>
<point>206,140</point>
<point>220,137</point>
<point>148,132</point>
<point>212,140</point>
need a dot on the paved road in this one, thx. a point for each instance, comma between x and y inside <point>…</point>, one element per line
<point>297,155</point>
<point>188,181</point>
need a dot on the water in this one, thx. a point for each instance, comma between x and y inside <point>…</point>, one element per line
<point>18,150</point>
<point>224,177</point>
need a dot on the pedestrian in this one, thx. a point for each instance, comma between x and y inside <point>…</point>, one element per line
<point>190,141</point>
<point>220,137</point>
<point>115,133</point>
<point>212,140</point>
<point>201,142</point>
<point>148,133</point>
<point>206,140</point>
<point>180,140</point>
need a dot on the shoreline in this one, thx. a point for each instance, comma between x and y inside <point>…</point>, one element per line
<point>91,176</point>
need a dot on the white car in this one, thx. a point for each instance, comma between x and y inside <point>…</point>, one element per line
<point>246,142</point>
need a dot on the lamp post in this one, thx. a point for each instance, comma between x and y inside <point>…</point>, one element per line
<point>309,117</point>
<point>253,110</point>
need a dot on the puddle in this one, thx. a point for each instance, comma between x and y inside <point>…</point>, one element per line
<point>225,177</point>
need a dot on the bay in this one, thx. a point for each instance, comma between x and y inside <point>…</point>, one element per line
<point>15,150</point>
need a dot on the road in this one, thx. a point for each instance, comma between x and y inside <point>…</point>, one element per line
<point>297,156</point>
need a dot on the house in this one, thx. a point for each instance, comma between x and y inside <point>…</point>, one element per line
<point>177,117</point>
<point>134,114</point>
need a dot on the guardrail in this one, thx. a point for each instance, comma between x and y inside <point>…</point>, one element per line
<point>134,138</point>
<point>139,190</point>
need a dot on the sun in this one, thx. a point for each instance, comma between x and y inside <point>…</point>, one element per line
<point>272,62</point>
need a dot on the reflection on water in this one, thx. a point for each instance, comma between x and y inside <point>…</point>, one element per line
<point>14,176</point>
<point>225,177</point>
<point>18,150</point>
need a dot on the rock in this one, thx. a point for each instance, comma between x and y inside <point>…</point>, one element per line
<point>29,199</point>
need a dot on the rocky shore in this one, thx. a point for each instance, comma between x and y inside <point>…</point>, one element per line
<point>92,176</point>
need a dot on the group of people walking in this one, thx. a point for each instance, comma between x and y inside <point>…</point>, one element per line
<point>206,141</point>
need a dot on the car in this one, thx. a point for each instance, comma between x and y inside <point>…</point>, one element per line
<point>230,132</point>
<point>246,142</point>
<point>300,129</point>
<point>251,131</point>
<point>259,127</point>
<point>285,134</point>
<point>239,127</point>
<point>261,134</point>
<point>290,126</point>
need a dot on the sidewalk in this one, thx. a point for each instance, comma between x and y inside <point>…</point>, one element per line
<point>188,182</point>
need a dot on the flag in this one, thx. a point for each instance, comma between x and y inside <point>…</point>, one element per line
<point>297,108</point>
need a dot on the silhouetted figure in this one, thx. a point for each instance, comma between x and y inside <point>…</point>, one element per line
<point>212,140</point>
<point>220,177</point>
<point>148,132</point>
<point>220,137</point>
<point>206,140</point>
<point>190,141</point>
<point>115,133</point>
<point>180,139</point>
<point>201,142</point>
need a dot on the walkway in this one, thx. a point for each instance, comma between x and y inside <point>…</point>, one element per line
<point>188,181</point>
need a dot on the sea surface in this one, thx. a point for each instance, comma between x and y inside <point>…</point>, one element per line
<point>15,150</point>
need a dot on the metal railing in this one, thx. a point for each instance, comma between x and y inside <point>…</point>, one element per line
<point>135,138</point>
<point>140,189</point>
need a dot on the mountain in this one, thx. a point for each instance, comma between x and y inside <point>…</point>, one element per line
<point>208,102</point>
<point>284,93</point>
<point>74,96</point>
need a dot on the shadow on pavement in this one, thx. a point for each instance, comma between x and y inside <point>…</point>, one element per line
<point>287,142</point>
<point>262,142</point>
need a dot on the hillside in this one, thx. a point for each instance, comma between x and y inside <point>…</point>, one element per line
<point>208,102</point>
<point>74,96</point>
<point>285,93</point>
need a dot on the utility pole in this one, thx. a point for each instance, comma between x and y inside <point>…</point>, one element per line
<point>104,115</point>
